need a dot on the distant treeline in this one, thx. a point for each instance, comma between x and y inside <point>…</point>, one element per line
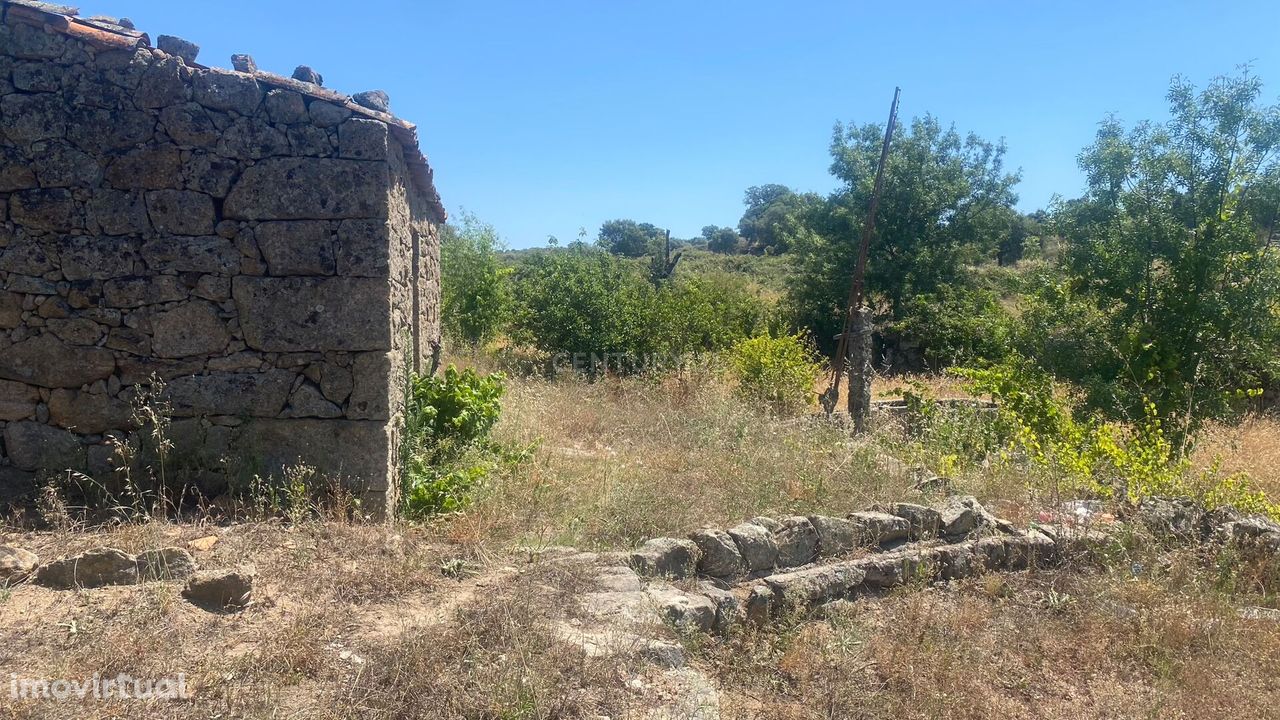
<point>1157,290</point>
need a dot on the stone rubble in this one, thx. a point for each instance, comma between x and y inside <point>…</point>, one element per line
<point>111,566</point>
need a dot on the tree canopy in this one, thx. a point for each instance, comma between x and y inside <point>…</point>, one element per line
<point>1169,248</point>
<point>629,238</point>
<point>946,203</point>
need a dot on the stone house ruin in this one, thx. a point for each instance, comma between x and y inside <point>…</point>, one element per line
<point>263,245</point>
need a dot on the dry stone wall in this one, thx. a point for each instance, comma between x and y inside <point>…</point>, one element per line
<point>263,246</point>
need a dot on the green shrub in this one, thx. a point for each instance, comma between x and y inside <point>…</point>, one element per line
<point>447,447</point>
<point>1096,457</point>
<point>475,294</point>
<point>709,313</point>
<point>957,325</point>
<point>778,371</point>
<point>584,301</point>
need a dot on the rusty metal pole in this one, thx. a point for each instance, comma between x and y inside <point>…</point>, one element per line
<point>854,348</point>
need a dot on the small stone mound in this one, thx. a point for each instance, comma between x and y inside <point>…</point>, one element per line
<point>220,591</point>
<point>306,74</point>
<point>91,569</point>
<point>374,100</point>
<point>174,45</point>
<point>171,563</point>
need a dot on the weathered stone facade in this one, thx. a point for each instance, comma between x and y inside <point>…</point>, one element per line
<point>265,246</point>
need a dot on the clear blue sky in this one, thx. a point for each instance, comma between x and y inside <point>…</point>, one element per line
<point>544,117</point>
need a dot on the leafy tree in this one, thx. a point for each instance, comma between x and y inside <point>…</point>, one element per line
<point>584,300</point>
<point>629,238</point>
<point>708,312</point>
<point>722,240</point>
<point>588,301</point>
<point>475,294</point>
<point>1022,228</point>
<point>1170,245</point>
<point>775,215</point>
<point>945,205</point>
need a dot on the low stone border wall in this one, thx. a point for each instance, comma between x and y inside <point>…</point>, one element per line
<point>765,567</point>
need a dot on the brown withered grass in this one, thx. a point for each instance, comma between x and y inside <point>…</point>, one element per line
<point>444,619</point>
<point>1155,643</point>
<point>1252,446</point>
<point>619,461</point>
<point>348,621</point>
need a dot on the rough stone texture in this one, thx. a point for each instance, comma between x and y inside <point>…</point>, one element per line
<point>923,521</point>
<point>836,535</point>
<point>797,541</point>
<point>17,400</point>
<point>171,563</point>
<point>756,543</point>
<point>306,74</point>
<point>686,611</point>
<point>220,591</point>
<point>174,45</point>
<point>666,557</point>
<point>95,568</point>
<point>285,106</point>
<point>374,100</point>
<point>16,563</point>
<point>260,394</point>
<point>260,250</point>
<point>227,90</point>
<point>878,528</point>
<point>813,585</point>
<point>191,329</point>
<point>307,189</point>
<point>1173,518</point>
<point>89,412</point>
<point>728,609</point>
<point>298,314</point>
<point>720,554</point>
<point>32,445</point>
<point>959,517</point>
<point>297,248</point>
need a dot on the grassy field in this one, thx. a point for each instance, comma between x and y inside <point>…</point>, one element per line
<point>447,619</point>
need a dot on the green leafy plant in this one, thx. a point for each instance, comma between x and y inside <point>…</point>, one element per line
<point>447,448</point>
<point>586,302</point>
<point>475,293</point>
<point>777,371</point>
<point>1101,458</point>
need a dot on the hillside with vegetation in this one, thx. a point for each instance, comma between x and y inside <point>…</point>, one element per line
<point>1102,373</point>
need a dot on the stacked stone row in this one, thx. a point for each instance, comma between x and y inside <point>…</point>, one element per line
<point>766,565</point>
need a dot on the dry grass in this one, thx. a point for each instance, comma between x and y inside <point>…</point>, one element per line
<point>1252,447</point>
<point>621,461</point>
<point>1161,644</point>
<point>387,622</point>
<point>348,621</point>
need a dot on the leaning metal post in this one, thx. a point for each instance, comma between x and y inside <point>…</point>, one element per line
<point>853,350</point>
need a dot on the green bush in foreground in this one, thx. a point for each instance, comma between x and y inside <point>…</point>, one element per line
<point>448,451</point>
<point>777,371</point>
